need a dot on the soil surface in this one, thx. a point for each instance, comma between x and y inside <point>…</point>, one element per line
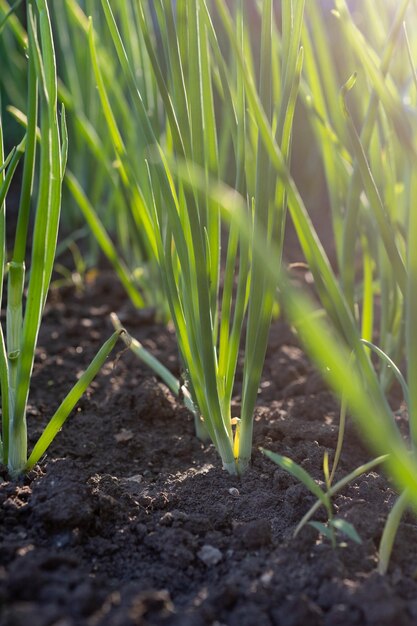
<point>130,520</point>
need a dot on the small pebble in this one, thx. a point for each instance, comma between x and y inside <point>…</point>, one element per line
<point>137,478</point>
<point>267,577</point>
<point>209,555</point>
<point>167,519</point>
<point>62,540</point>
<point>234,492</point>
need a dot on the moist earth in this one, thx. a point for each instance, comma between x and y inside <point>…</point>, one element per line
<point>129,519</point>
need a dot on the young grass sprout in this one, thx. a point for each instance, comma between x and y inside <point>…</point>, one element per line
<point>334,524</point>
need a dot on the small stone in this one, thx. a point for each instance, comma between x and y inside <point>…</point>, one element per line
<point>133,484</point>
<point>167,519</point>
<point>62,540</point>
<point>124,435</point>
<point>234,492</point>
<point>267,577</point>
<point>137,478</point>
<point>209,555</point>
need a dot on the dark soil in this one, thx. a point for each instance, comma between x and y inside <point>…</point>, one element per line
<point>130,520</point>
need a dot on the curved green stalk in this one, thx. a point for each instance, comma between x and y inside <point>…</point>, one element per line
<point>160,370</point>
<point>390,531</point>
<point>62,413</point>
<point>394,368</point>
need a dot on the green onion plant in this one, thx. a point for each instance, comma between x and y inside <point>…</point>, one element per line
<point>43,171</point>
<point>207,96</point>
<point>371,176</point>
